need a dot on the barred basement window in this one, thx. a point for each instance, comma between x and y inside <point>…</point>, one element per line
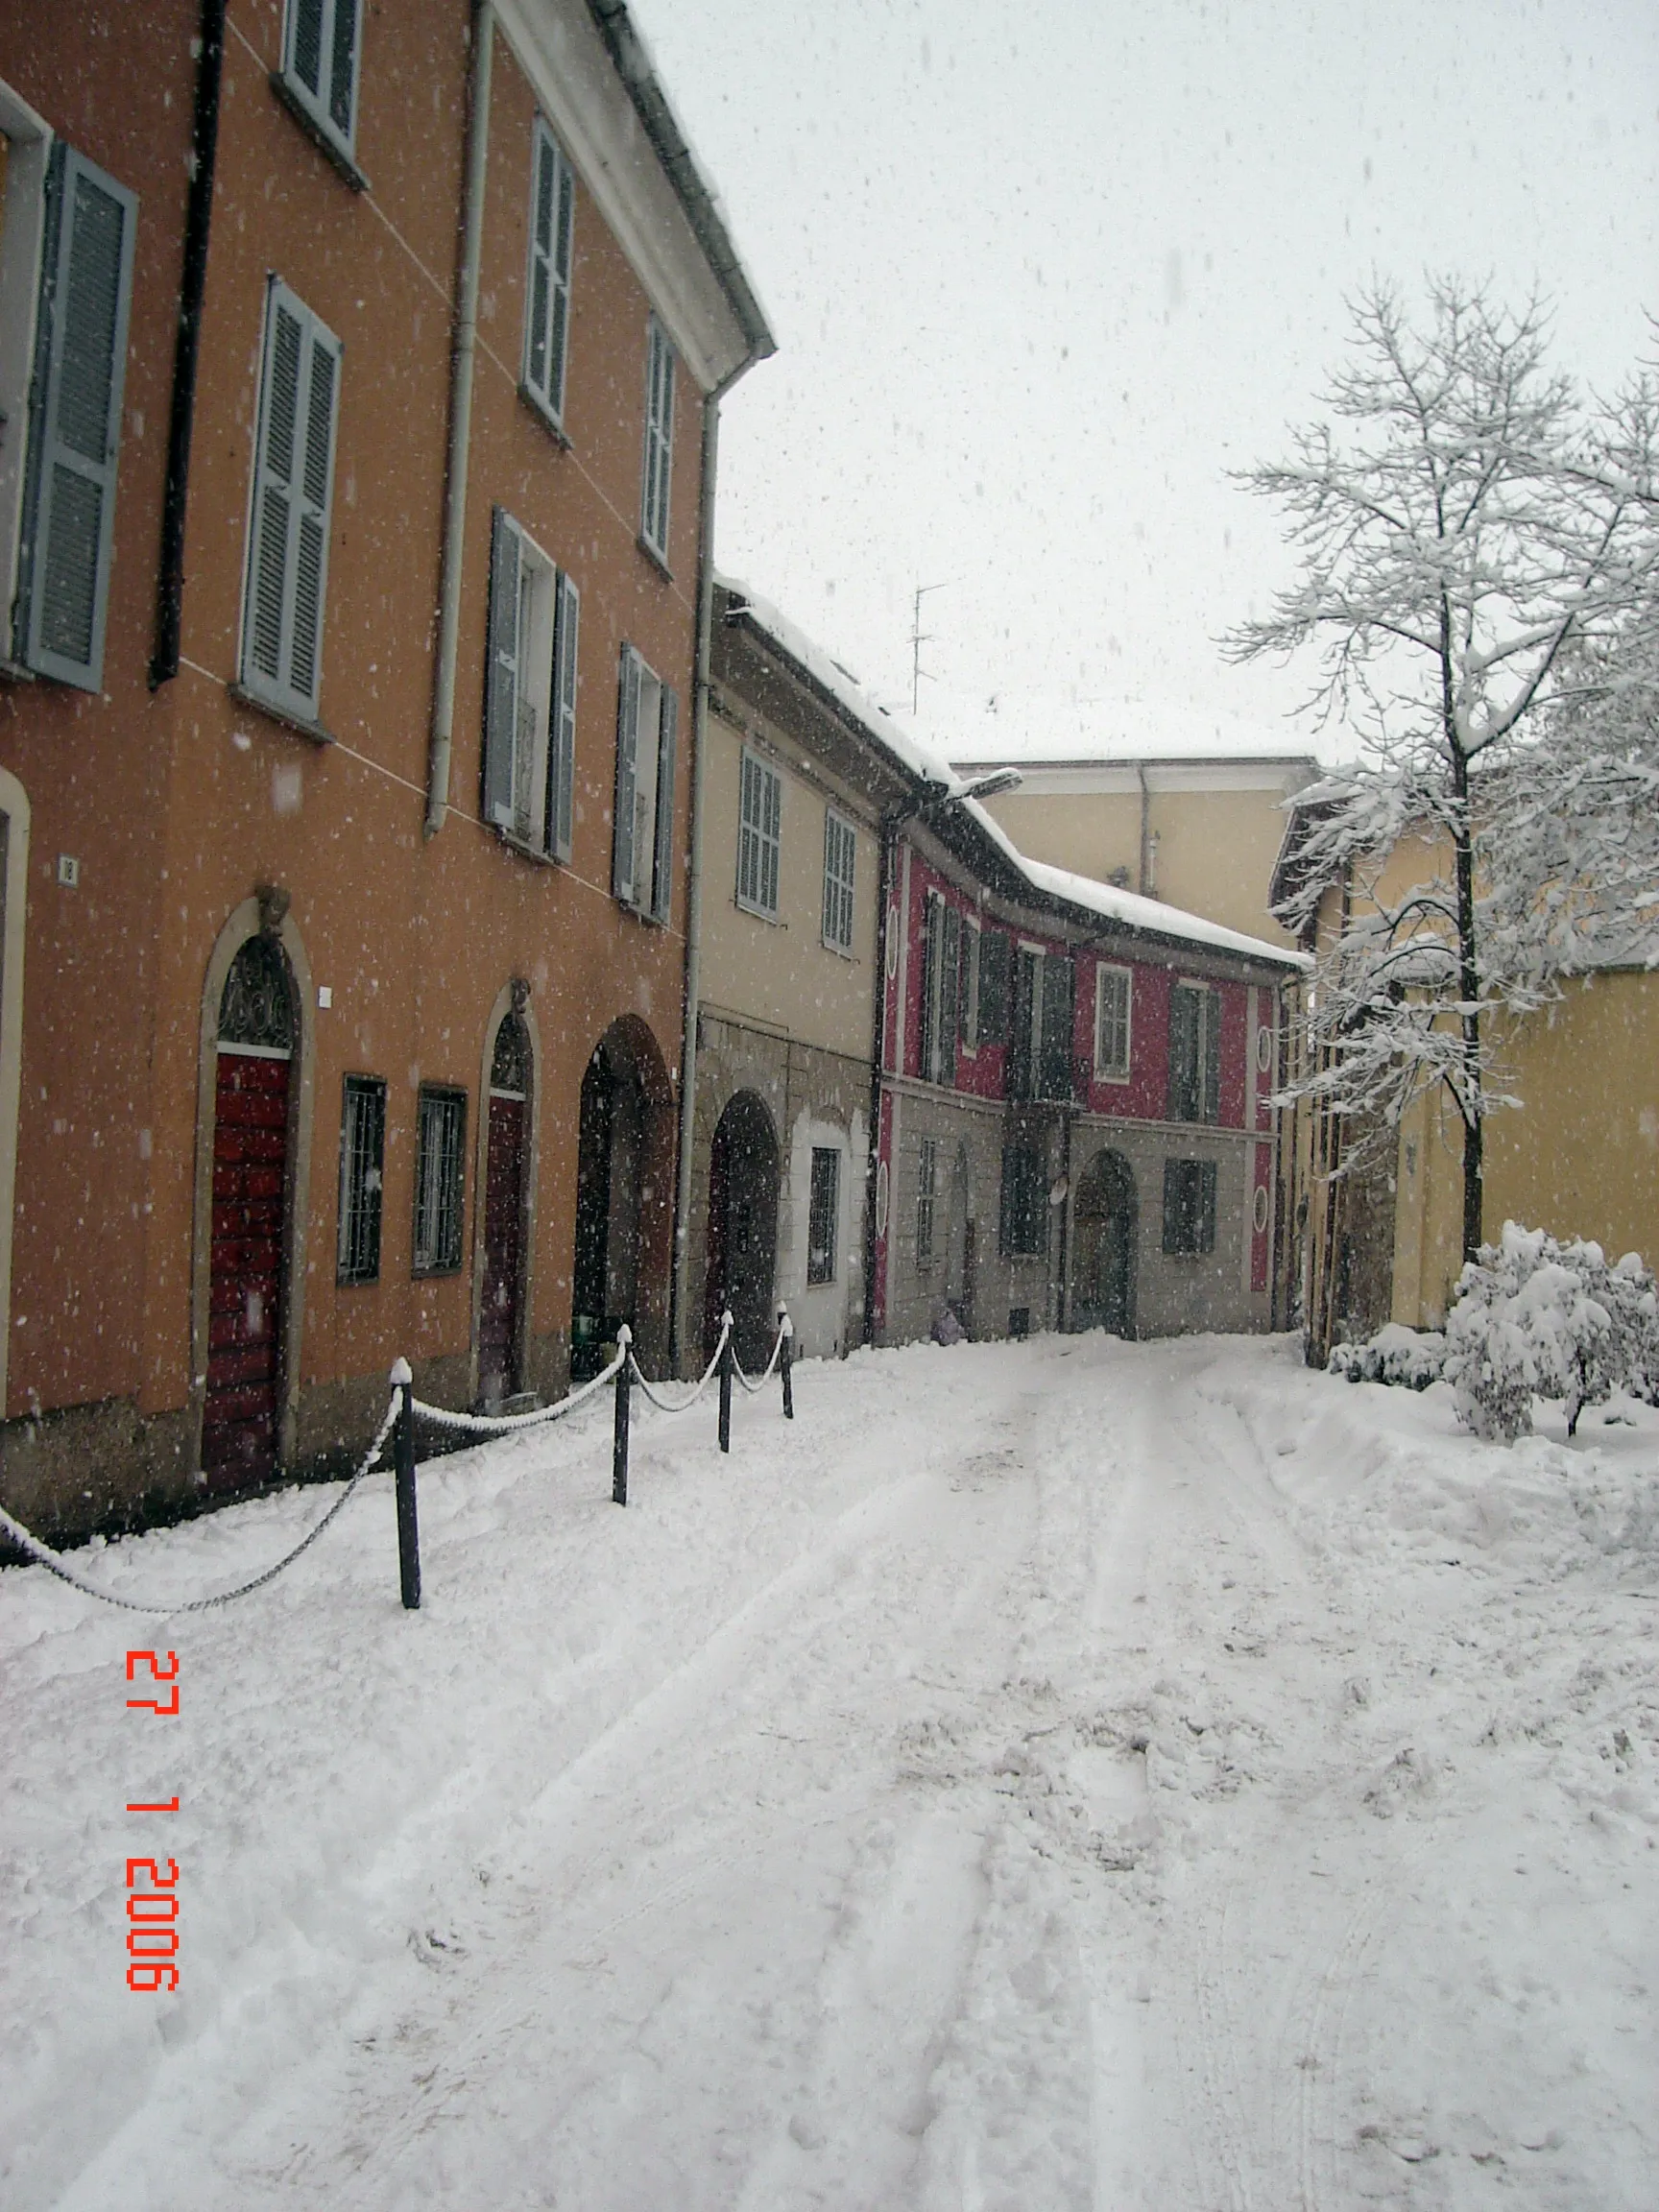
<point>926,1190</point>
<point>438,1171</point>
<point>821,1209</point>
<point>362,1165</point>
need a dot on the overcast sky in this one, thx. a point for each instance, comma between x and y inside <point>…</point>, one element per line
<point>1041,272</point>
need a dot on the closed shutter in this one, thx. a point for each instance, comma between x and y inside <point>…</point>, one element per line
<point>551,225</point>
<point>929,1041</point>
<point>663,872</point>
<point>75,423</point>
<point>1206,1206</point>
<point>1027,982</point>
<point>993,988</point>
<point>627,754</point>
<point>659,437</point>
<point>321,64</point>
<point>1211,1005</point>
<point>1184,1018</point>
<point>501,681</point>
<point>292,495</point>
<point>561,767</point>
<point>950,976</point>
<point>1059,992</point>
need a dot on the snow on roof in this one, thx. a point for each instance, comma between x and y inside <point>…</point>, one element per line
<point>1062,728</point>
<point>928,765</point>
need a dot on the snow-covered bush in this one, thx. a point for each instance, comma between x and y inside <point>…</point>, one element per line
<point>1537,1318</point>
<point>1408,1358</point>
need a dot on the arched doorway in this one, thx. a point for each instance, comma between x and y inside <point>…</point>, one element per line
<point>1104,1222</point>
<point>960,1240</point>
<point>743,1168</point>
<point>253,1100</point>
<point>501,1294</point>
<point>624,1188</point>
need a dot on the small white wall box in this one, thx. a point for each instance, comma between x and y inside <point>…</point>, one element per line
<point>325,995</point>
<point>68,870</point>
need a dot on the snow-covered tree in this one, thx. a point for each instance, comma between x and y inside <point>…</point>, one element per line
<point>1479,559</point>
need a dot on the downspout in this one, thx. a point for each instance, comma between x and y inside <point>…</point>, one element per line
<point>694,873</point>
<point>1144,885</point>
<point>192,288</point>
<point>462,357</point>
<point>890,824</point>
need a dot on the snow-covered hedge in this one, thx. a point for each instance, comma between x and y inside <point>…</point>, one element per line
<point>1407,1357</point>
<point>1536,1318</point>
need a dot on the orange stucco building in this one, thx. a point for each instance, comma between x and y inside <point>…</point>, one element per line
<point>346,867</point>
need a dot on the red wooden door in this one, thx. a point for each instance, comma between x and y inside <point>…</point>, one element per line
<point>244,1277</point>
<point>503,1238</point>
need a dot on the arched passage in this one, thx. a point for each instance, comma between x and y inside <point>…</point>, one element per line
<point>743,1173</point>
<point>1104,1223</point>
<point>502,1277</point>
<point>624,1194</point>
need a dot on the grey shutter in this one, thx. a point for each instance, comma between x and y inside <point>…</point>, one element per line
<point>501,682</point>
<point>343,69</point>
<point>1058,994</point>
<point>993,988</point>
<point>627,752</point>
<point>322,63</point>
<point>1020,1073</point>
<point>662,873</point>
<point>552,216</point>
<point>1205,1240</point>
<point>562,763</point>
<point>1183,1101</point>
<point>75,422</point>
<point>1211,1005</point>
<point>306,44</point>
<point>929,990</point>
<point>293,493</point>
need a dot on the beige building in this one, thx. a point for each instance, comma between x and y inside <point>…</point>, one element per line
<point>1200,831</point>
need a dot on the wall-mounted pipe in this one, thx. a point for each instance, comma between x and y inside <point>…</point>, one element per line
<point>187,347</point>
<point>462,356</point>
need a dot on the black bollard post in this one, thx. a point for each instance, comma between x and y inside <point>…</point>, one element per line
<point>785,1351</point>
<point>403,1460</point>
<point>726,1383</point>
<point>619,1437</point>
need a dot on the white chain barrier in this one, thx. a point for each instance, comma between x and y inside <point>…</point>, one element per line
<point>786,1327</point>
<point>505,1424</point>
<point>685,1405</point>
<point>55,1564</point>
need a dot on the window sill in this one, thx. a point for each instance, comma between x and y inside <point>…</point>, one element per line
<point>759,914</point>
<point>14,672</point>
<point>658,560</point>
<point>1117,1075</point>
<point>526,850</point>
<point>543,414</point>
<point>282,714</point>
<point>841,951</point>
<point>357,1281</point>
<point>643,914</point>
<point>446,1274</point>
<point>328,147</point>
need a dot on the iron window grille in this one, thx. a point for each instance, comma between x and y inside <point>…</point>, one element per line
<point>821,1209</point>
<point>1188,1207</point>
<point>362,1171</point>
<point>926,1191</point>
<point>1113,989</point>
<point>439,1167</point>
<point>760,836</point>
<point>840,846</point>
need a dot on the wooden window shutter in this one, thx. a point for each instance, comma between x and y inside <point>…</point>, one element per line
<point>1182,1105</point>
<point>343,70</point>
<point>75,422</point>
<point>663,872</point>
<point>322,67</point>
<point>949,984</point>
<point>1211,1006</point>
<point>562,765</point>
<point>501,681</point>
<point>930,1039</point>
<point>1206,1206</point>
<point>547,318</point>
<point>292,495</point>
<point>622,856</point>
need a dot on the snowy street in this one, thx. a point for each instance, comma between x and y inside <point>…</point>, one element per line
<point>1055,1774</point>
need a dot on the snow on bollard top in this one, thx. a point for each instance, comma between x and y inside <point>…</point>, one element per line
<point>402,1374</point>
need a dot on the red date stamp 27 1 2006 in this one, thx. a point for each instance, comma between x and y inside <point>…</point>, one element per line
<point>152,1894</point>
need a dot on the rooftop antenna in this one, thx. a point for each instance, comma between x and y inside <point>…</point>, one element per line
<point>918,639</point>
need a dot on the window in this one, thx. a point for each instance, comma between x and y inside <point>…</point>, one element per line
<point>1112,1000</point>
<point>530,693</point>
<point>993,1008</point>
<point>969,999</point>
<point>1194,1054</point>
<point>547,289</point>
<point>67,538</point>
<point>642,831</point>
<point>839,847</point>
<point>759,828</point>
<point>292,491</point>
<point>362,1165</point>
<point>439,1179</point>
<point>321,45</point>
<point>1189,1206</point>
<point>941,985</point>
<point>1055,1075</point>
<point>659,438</point>
<point>926,1190</point>
<point>821,1209</point>
<point>1024,1217</point>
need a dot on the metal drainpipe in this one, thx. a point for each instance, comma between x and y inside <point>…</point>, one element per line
<point>192,286</point>
<point>694,873</point>
<point>460,418</point>
<point>1144,886</point>
<point>890,824</point>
